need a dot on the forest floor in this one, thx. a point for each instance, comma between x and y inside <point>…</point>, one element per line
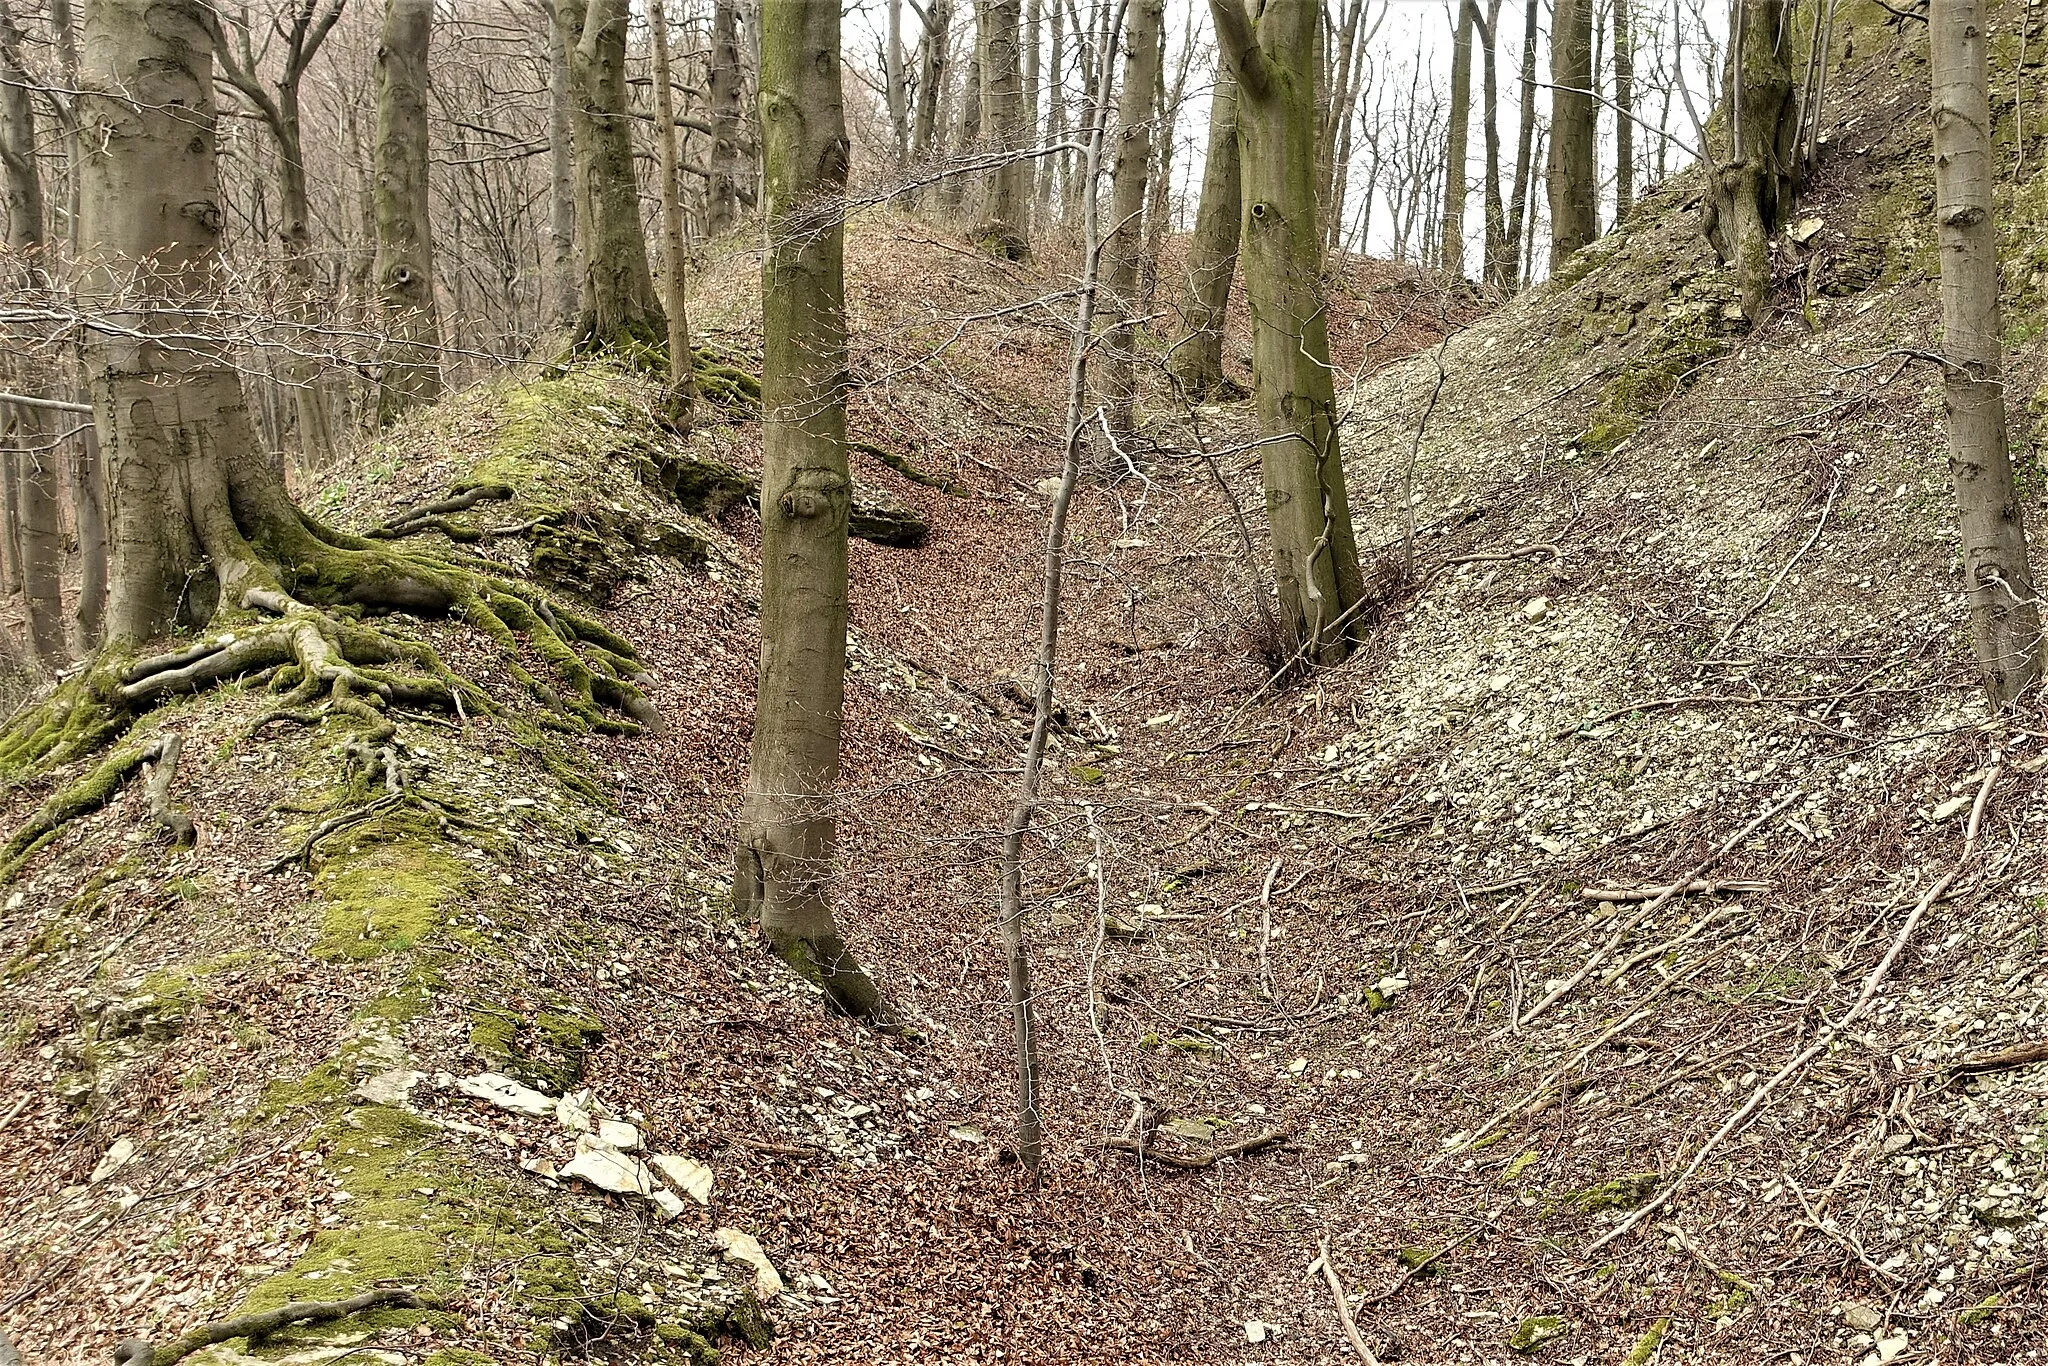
<point>1678,604</point>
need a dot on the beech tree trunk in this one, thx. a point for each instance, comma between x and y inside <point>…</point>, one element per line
<point>1624,113</point>
<point>567,273</point>
<point>966,133</point>
<point>2005,620</point>
<point>1573,177</point>
<point>1518,198</point>
<point>1197,363</point>
<point>728,168</point>
<point>1005,227</point>
<point>405,250</point>
<point>1315,553</point>
<point>931,79</point>
<point>1457,183</point>
<point>1144,32</point>
<point>26,433</point>
<point>1753,187</point>
<point>682,390</point>
<point>785,862</point>
<point>1494,270</point>
<point>620,308</point>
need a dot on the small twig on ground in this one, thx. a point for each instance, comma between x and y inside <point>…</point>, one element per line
<point>1266,929</point>
<point>1762,602</point>
<point>1625,894</point>
<point>2021,1055</point>
<point>1143,1148</point>
<point>1344,1306</point>
<point>136,1352</point>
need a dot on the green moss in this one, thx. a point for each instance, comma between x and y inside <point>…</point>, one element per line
<point>386,892</point>
<point>1667,364</point>
<point>1982,1312</point>
<point>1534,1333</point>
<point>324,1085</point>
<point>1647,1345</point>
<point>549,1049</point>
<point>1622,1192</point>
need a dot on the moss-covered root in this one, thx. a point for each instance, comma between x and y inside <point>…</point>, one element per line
<point>903,465</point>
<point>256,1327</point>
<point>1647,1345</point>
<point>827,964</point>
<point>94,791</point>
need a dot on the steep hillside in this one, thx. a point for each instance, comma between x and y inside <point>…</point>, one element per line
<point>1677,594</point>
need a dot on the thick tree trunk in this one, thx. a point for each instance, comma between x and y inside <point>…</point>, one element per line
<point>1005,226</point>
<point>566,274</point>
<point>1144,30</point>
<point>405,250</point>
<point>1457,181</point>
<point>1044,191</point>
<point>785,861</point>
<point>1753,188</point>
<point>1573,178</point>
<point>1624,113</point>
<point>175,430</point>
<point>966,134</point>
<point>682,390</point>
<point>1525,141</point>
<point>728,168</point>
<point>1315,553</point>
<point>2005,619</point>
<point>931,80</point>
<point>1212,254</point>
<point>620,307</point>
<point>295,235</point>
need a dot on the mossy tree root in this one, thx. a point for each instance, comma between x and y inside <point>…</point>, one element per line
<point>903,465</point>
<point>256,1327</point>
<point>94,791</point>
<point>829,965</point>
<point>434,516</point>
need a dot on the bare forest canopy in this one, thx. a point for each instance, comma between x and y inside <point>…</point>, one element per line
<point>1044,680</point>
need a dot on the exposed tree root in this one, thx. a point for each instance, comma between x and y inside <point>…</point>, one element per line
<point>94,791</point>
<point>434,516</point>
<point>136,1352</point>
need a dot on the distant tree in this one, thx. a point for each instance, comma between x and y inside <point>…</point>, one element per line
<point>1497,267</point>
<point>620,306</point>
<point>1519,197</point>
<point>1573,180</point>
<point>732,175</point>
<point>405,248</point>
<point>1457,181</point>
<point>1624,112</point>
<point>1006,128</point>
<point>2005,616</point>
<point>682,386</point>
<point>1197,361</point>
<point>786,856</point>
<point>1144,31</point>
<point>1315,552</point>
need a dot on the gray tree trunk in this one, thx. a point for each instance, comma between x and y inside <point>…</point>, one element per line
<point>1495,270</point>
<point>682,388</point>
<point>1624,113</point>
<point>1315,552</point>
<point>1573,177</point>
<point>620,307</point>
<point>1457,181</point>
<point>1754,185</point>
<point>1212,254</point>
<point>785,862</point>
<point>2005,620</point>
<point>405,248</point>
<point>567,273</point>
<point>728,167</point>
<point>1005,226</point>
<point>1518,198</point>
<point>931,80</point>
<point>1123,243</point>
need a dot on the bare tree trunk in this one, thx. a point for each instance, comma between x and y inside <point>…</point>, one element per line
<point>897,95</point>
<point>567,275</point>
<point>1624,113</point>
<point>1046,190</point>
<point>2005,618</point>
<point>1518,199</point>
<point>1457,178</point>
<point>1497,268</point>
<point>1753,188</point>
<point>966,133</point>
<point>1159,195</point>
<point>405,247</point>
<point>1005,128</point>
<point>620,307</point>
<point>1574,182</point>
<point>786,856</point>
<point>1529,239</point>
<point>1144,30</point>
<point>36,532</point>
<point>682,395</point>
<point>1315,553</point>
<point>1034,40</point>
<point>1212,253</point>
<point>722,192</point>
<point>931,79</point>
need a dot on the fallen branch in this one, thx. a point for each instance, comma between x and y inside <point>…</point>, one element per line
<point>1627,894</point>
<point>1344,1306</point>
<point>1827,1036</point>
<point>136,1352</point>
<point>1762,602</point>
<point>1143,1148</point>
<point>163,768</point>
<point>2021,1055</point>
<point>425,517</point>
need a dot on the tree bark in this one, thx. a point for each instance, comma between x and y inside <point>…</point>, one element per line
<point>1457,180</point>
<point>1044,192</point>
<point>1315,553</point>
<point>620,307</point>
<point>1212,255</point>
<point>1005,227</point>
<point>567,272</point>
<point>1495,269</point>
<point>1573,178</point>
<point>37,536</point>
<point>785,862</point>
<point>1624,113</point>
<point>896,93</point>
<point>2005,620</point>
<point>966,133</point>
<point>1518,199</point>
<point>722,192</point>
<point>682,389</point>
<point>1144,30</point>
<point>405,248</point>
<point>931,79</point>
<point>1753,187</point>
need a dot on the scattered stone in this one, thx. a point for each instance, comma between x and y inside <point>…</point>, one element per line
<point>1888,1348</point>
<point>692,1178</point>
<point>572,1112</point>
<point>539,1166</point>
<point>619,1134</point>
<point>610,1170</point>
<point>1534,1333</point>
<point>1536,609</point>
<point>500,1090</point>
<point>1194,1130</point>
<point>1952,807</point>
<point>393,1087</point>
<point>669,1203</point>
<point>1804,230</point>
<point>1861,1317</point>
<point>118,1156</point>
<point>1256,1332</point>
<point>745,1249</point>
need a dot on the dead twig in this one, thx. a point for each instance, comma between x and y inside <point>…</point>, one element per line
<point>1142,1148</point>
<point>1344,1306</point>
